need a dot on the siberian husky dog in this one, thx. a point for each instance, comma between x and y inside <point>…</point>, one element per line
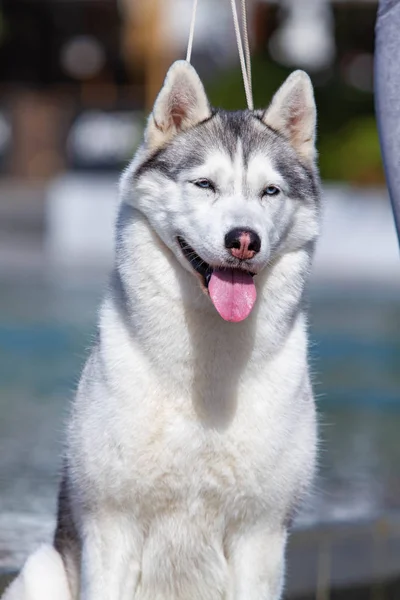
<point>192,437</point>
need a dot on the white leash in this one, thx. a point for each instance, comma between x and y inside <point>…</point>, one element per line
<point>247,48</point>
<point>244,60</point>
<point>244,55</point>
<point>191,32</point>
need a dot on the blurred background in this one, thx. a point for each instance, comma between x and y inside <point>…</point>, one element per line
<point>77,78</point>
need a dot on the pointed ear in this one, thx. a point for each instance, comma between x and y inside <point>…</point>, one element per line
<point>181,104</point>
<point>292,113</point>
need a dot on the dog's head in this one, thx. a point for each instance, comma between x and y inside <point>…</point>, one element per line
<point>228,192</point>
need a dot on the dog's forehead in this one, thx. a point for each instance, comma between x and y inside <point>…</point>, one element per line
<point>227,131</point>
<point>225,135</point>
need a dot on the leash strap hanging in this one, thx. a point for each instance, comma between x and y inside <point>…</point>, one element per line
<point>244,60</point>
<point>244,54</point>
<point>247,48</point>
<point>191,32</point>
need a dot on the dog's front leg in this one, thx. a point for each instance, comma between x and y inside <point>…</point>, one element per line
<point>258,565</point>
<point>110,558</point>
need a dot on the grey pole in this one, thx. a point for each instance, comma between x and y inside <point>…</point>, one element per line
<point>387,95</point>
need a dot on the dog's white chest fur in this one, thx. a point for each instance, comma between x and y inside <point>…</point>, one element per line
<point>212,439</point>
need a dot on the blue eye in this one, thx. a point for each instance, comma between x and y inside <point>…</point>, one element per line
<point>204,184</point>
<point>271,190</point>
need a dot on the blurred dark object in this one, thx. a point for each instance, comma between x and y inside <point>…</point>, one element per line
<point>58,59</point>
<point>37,33</point>
<point>5,139</point>
<point>61,59</point>
<point>38,119</point>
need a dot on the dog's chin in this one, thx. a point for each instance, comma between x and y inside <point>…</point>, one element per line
<point>203,270</point>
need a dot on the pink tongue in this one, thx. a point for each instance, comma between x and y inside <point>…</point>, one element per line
<point>233,293</point>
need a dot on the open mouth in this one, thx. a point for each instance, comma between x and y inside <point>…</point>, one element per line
<point>197,263</point>
<point>232,290</point>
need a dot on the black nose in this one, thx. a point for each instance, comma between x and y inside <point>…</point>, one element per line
<point>242,243</point>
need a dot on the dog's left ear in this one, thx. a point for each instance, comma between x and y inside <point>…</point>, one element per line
<point>181,104</point>
<point>292,113</point>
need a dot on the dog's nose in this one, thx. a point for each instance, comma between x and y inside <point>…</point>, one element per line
<point>243,243</point>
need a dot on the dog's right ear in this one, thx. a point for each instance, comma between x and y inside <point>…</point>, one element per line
<point>181,104</point>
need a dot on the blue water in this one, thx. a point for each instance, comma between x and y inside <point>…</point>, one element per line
<point>46,331</point>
